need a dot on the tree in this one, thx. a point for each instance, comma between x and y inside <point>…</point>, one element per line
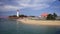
<point>54,14</point>
<point>50,17</point>
<point>22,16</point>
<point>14,16</point>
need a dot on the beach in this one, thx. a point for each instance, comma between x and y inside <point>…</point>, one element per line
<point>40,22</point>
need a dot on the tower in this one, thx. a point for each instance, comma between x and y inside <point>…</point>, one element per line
<point>17,13</point>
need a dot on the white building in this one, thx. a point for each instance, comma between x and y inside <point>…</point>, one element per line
<point>17,13</point>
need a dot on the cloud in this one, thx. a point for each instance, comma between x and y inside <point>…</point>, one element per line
<point>36,4</point>
<point>20,4</point>
<point>35,1</point>
<point>42,6</point>
<point>9,8</point>
<point>38,1</point>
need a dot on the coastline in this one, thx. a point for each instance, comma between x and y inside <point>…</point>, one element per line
<point>40,22</point>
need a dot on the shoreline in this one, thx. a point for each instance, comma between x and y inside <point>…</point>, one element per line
<point>40,22</point>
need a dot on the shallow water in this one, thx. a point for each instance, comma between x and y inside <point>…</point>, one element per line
<point>8,26</point>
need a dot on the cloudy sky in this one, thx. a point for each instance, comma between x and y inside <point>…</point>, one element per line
<point>29,7</point>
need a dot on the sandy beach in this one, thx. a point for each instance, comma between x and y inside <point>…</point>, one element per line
<point>40,22</point>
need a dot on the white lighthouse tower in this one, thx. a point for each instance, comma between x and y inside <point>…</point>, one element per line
<point>17,13</point>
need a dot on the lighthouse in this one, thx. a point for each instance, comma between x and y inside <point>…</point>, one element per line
<point>17,13</point>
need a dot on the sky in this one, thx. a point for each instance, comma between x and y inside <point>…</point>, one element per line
<point>29,7</point>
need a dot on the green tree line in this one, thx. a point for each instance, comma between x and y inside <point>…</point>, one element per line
<point>51,16</point>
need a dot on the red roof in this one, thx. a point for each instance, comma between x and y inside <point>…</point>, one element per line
<point>44,14</point>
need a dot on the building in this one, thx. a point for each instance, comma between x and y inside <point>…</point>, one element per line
<point>17,13</point>
<point>43,16</point>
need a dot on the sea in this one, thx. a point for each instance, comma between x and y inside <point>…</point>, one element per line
<point>12,26</point>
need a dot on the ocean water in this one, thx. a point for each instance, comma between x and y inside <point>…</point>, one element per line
<point>9,26</point>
